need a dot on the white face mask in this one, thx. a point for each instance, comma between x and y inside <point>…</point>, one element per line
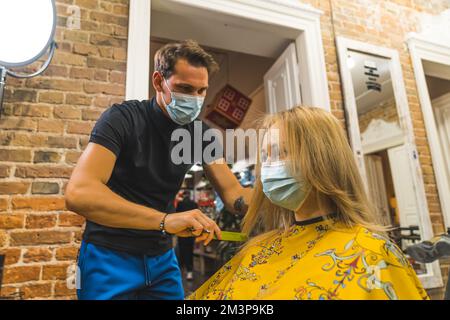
<point>183,108</point>
<point>281,187</point>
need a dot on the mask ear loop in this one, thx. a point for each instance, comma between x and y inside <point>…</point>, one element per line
<point>162,94</point>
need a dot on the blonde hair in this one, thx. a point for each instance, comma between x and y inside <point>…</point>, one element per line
<point>318,149</point>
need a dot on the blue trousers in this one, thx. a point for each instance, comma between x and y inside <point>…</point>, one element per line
<point>105,274</point>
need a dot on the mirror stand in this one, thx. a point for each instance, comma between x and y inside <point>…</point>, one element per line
<point>4,71</point>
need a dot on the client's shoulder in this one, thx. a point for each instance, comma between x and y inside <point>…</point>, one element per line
<point>379,244</point>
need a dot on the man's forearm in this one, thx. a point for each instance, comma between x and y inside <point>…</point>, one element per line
<point>97,203</point>
<point>238,201</point>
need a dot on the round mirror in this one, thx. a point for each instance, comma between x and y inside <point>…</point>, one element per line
<point>27,28</point>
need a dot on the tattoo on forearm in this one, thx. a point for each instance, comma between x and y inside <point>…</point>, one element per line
<point>240,205</point>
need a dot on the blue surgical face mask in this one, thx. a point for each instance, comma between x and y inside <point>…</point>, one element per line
<point>281,187</point>
<point>183,108</point>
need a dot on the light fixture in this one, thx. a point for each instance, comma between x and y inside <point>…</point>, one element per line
<point>27,29</point>
<point>196,168</point>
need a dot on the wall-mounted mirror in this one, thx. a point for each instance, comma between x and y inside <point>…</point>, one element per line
<point>381,136</point>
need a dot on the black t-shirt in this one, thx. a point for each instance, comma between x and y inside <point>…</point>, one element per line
<point>139,134</point>
<point>186,204</point>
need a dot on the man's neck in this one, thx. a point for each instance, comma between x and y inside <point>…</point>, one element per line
<point>161,105</point>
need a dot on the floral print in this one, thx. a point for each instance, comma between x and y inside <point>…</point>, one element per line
<point>320,260</point>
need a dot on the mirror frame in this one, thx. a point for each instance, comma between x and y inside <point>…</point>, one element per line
<point>44,49</point>
<point>432,278</point>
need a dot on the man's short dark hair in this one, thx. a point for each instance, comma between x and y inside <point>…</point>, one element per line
<point>167,56</point>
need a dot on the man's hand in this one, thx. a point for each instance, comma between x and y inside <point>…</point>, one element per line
<point>192,223</point>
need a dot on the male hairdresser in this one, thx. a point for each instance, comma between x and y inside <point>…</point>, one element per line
<point>125,182</point>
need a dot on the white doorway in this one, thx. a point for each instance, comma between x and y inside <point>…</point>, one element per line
<point>262,28</point>
<point>404,187</point>
<point>430,53</point>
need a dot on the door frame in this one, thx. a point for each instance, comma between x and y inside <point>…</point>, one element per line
<point>430,48</point>
<point>287,13</point>
<point>433,278</point>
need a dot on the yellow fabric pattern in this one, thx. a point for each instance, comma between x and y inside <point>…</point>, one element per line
<point>319,260</point>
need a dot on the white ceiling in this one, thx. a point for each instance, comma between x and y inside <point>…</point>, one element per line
<point>175,21</point>
<point>365,98</point>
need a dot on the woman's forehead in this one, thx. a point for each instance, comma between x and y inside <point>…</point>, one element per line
<point>273,136</point>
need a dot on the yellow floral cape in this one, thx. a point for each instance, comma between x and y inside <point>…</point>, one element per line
<point>316,259</point>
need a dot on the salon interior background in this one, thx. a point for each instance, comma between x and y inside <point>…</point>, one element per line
<point>47,120</point>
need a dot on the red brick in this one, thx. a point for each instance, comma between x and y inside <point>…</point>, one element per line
<point>37,255</point>
<point>43,172</point>
<point>54,272</point>
<point>53,97</point>
<point>9,292</point>
<point>14,187</point>
<point>40,290</point>
<point>82,73</point>
<point>20,238</point>
<point>39,110</point>
<point>44,188</point>
<point>104,63</point>
<point>79,127</point>
<point>40,221</point>
<point>11,221</point>
<point>67,253</point>
<point>16,155</point>
<point>20,95</point>
<point>46,156</point>
<point>12,255</point>
<point>4,171</point>
<point>3,238</point>
<point>3,204</point>
<point>61,289</point>
<point>62,142</point>
<point>55,84</point>
<point>52,125</point>
<point>17,124</point>
<point>70,219</point>
<point>38,203</point>
<point>78,99</point>
<point>89,114</point>
<point>67,112</point>
<point>20,274</point>
<point>106,88</point>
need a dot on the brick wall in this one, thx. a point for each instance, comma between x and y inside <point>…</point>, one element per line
<point>47,121</point>
<point>43,130</point>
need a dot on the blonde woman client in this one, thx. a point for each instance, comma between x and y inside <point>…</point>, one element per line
<point>314,234</point>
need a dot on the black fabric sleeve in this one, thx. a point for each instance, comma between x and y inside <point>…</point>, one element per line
<point>112,128</point>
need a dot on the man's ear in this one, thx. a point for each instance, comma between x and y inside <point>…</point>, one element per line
<point>157,80</point>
